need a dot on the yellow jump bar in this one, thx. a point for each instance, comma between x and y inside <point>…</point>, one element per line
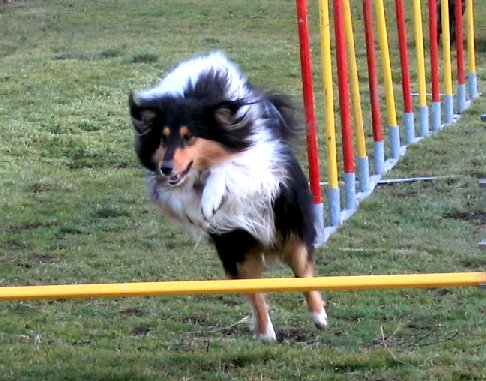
<point>171,288</point>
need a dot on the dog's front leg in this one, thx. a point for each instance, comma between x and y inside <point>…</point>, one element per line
<point>214,192</point>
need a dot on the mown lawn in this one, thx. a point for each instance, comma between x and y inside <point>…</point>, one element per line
<point>73,210</point>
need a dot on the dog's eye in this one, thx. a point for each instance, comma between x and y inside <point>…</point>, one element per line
<point>187,138</point>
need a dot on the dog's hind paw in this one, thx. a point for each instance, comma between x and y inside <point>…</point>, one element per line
<point>320,319</point>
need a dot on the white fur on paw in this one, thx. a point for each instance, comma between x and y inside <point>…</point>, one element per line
<point>252,322</point>
<point>213,194</point>
<point>269,335</point>
<point>319,319</point>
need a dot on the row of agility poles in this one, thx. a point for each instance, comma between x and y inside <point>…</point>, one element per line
<point>348,89</point>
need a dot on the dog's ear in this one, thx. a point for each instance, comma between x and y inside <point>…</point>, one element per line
<point>134,106</point>
<point>143,118</point>
<point>224,112</point>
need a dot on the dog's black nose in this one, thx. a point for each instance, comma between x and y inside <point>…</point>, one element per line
<point>166,167</point>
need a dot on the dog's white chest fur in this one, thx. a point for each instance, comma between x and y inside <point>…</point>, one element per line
<point>237,194</point>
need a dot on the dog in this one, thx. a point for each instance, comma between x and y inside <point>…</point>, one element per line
<point>218,161</point>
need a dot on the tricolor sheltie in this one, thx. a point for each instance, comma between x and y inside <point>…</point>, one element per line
<point>217,159</point>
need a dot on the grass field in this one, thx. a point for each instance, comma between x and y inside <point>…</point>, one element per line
<point>73,210</point>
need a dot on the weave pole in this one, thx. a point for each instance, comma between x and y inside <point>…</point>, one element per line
<point>408,115</point>
<point>446,50</point>
<point>308,95</point>
<point>379,147</point>
<point>419,45</point>
<point>346,132</point>
<point>471,77</point>
<point>388,80</point>
<point>244,286</point>
<point>333,192</point>
<point>363,162</point>
<point>436,109</point>
<point>461,79</point>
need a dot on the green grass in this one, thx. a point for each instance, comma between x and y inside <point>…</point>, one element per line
<point>73,210</point>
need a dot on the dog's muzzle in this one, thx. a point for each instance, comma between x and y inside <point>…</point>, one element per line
<point>166,169</point>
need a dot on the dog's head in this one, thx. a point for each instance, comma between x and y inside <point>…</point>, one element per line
<point>175,135</point>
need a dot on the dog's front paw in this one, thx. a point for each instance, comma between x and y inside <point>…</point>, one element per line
<point>265,334</point>
<point>268,336</point>
<point>213,196</point>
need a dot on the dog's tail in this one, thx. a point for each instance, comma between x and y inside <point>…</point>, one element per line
<point>280,109</point>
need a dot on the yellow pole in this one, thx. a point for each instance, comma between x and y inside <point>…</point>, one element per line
<point>353,70</point>
<point>472,78</point>
<point>171,288</point>
<point>470,36</point>
<point>333,192</point>
<point>330,125</point>
<point>363,164</point>
<point>419,45</point>
<point>446,49</point>
<point>387,74</point>
<point>419,41</point>
<point>385,55</point>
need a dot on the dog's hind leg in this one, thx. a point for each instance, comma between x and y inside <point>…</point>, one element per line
<point>299,260</point>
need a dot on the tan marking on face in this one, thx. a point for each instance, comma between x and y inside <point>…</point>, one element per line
<point>208,153</point>
<point>166,132</point>
<point>202,152</point>
<point>182,158</point>
<point>159,155</point>
<point>184,132</point>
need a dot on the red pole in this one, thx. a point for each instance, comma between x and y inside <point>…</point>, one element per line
<point>342,70</point>
<point>434,51</point>
<point>308,94</point>
<point>372,74</point>
<point>402,42</point>
<point>461,79</point>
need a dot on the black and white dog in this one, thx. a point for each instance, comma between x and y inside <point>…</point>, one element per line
<point>217,154</point>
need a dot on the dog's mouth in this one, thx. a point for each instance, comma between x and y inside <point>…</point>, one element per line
<point>178,178</point>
